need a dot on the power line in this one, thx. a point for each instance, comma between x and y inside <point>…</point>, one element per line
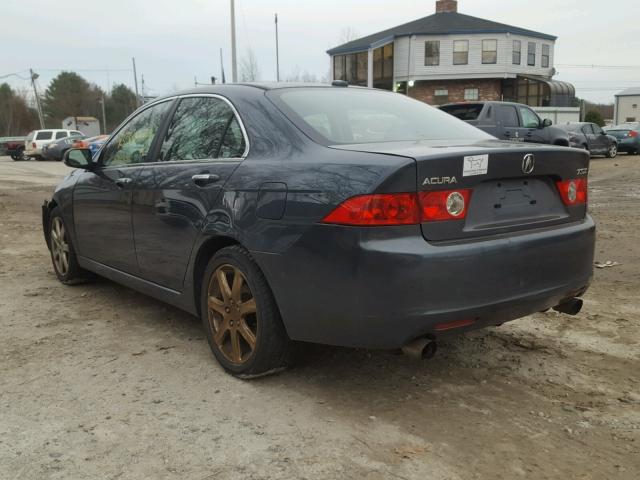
<point>17,74</point>
<point>604,67</point>
<point>84,69</point>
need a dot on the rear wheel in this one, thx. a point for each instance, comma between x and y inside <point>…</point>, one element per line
<point>18,154</point>
<point>63,255</point>
<point>613,151</point>
<point>240,316</point>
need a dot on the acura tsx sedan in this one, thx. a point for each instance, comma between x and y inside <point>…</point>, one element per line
<point>283,213</point>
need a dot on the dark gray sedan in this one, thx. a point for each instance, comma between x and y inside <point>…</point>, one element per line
<point>327,214</point>
<point>592,138</point>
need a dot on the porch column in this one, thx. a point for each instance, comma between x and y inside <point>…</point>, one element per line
<point>370,68</point>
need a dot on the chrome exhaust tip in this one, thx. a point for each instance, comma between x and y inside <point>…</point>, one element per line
<point>420,348</point>
<point>570,307</point>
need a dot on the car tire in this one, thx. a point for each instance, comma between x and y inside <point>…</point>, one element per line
<point>18,155</point>
<point>240,316</point>
<point>63,254</point>
<point>612,151</point>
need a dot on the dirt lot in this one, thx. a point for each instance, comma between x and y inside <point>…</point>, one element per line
<point>98,381</point>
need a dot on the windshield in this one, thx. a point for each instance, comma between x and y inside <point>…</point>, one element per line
<point>341,115</point>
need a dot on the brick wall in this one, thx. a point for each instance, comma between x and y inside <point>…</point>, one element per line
<point>488,89</point>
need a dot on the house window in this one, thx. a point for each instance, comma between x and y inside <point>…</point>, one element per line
<point>383,67</point>
<point>440,96</point>
<point>545,56</point>
<point>531,55</point>
<point>517,52</point>
<point>471,94</point>
<point>338,68</point>
<point>630,119</point>
<point>353,68</point>
<point>432,53</point>
<point>460,52</point>
<point>489,51</point>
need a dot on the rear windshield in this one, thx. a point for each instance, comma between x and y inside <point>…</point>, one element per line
<point>464,112</point>
<point>349,115</point>
<point>44,135</point>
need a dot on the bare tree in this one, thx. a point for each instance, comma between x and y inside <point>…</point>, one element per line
<point>296,76</point>
<point>348,34</point>
<point>249,69</point>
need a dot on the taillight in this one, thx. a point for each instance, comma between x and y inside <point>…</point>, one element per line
<point>381,209</point>
<point>401,208</point>
<point>633,134</point>
<point>444,205</point>
<point>573,192</point>
<point>33,144</point>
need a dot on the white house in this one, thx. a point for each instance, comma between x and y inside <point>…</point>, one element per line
<point>626,107</point>
<point>449,56</point>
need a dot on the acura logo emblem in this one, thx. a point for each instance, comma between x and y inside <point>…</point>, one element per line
<point>528,163</point>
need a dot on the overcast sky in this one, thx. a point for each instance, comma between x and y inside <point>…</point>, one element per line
<point>174,41</point>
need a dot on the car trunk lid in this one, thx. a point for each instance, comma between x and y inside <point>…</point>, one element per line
<point>513,186</point>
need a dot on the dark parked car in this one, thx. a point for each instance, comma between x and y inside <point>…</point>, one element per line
<point>628,136</point>
<point>508,121</point>
<point>280,213</point>
<point>57,149</point>
<point>15,148</point>
<point>591,137</point>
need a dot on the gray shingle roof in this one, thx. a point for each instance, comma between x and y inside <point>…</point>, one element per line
<point>629,92</point>
<point>437,24</point>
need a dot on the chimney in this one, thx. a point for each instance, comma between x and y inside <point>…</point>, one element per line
<point>446,6</point>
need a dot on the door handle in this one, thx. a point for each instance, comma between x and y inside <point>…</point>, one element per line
<point>204,179</point>
<point>123,182</point>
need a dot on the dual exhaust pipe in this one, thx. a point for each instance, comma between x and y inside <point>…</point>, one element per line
<point>425,348</point>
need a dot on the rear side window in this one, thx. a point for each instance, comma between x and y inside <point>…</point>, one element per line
<point>60,135</point>
<point>464,112</point>
<point>44,135</point>
<point>351,115</point>
<point>509,116</point>
<point>203,128</point>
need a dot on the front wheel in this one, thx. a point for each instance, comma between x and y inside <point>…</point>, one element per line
<point>613,151</point>
<point>240,316</point>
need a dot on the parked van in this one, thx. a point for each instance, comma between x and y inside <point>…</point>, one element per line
<point>39,138</point>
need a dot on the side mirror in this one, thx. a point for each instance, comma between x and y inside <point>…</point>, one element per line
<point>546,122</point>
<point>79,158</point>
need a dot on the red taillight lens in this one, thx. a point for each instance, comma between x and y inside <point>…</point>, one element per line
<point>633,134</point>
<point>381,209</point>
<point>33,144</point>
<point>401,208</point>
<point>573,192</point>
<point>444,205</point>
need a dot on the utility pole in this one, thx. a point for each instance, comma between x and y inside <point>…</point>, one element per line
<point>234,64</point>
<point>277,53</point>
<point>104,116</point>
<point>34,76</point>
<point>135,81</point>
<point>224,80</point>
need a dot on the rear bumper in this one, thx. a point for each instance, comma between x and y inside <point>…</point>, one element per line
<point>380,288</point>
<point>628,145</point>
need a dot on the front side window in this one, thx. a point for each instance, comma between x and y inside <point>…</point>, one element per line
<point>132,143</point>
<point>545,56</point>
<point>44,135</point>
<point>489,51</point>
<point>471,94</point>
<point>333,116</point>
<point>531,55</point>
<point>202,128</point>
<point>461,52</point>
<point>529,118</point>
<point>432,53</point>
<point>517,52</point>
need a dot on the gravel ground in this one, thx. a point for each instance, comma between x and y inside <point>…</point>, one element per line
<point>100,382</point>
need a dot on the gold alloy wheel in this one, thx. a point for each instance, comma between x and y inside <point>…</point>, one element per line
<point>59,246</point>
<point>232,314</point>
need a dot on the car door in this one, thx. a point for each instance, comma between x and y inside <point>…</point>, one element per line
<point>600,140</point>
<point>530,126</point>
<point>203,144</point>
<point>102,197</point>
<point>508,116</point>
